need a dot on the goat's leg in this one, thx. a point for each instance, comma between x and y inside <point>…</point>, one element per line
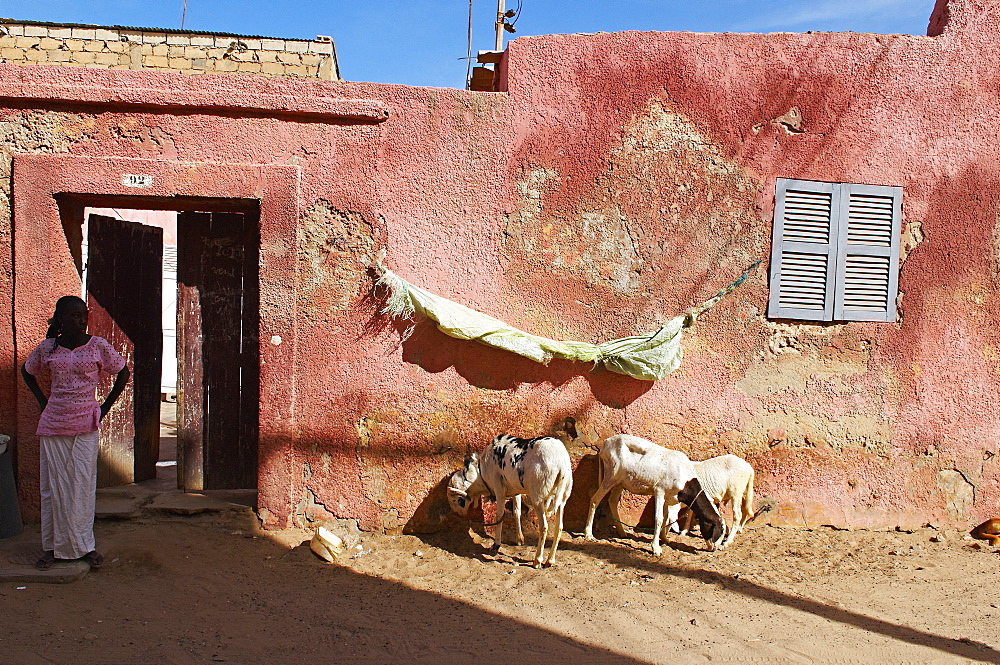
<point>658,521</point>
<point>742,508</point>
<point>748,511</point>
<point>543,531</point>
<point>614,497</point>
<point>559,529</point>
<point>517,512</point>
<point>501,509</point>
<point>684,522</point>
<point>737,520</point>
<point>673,513</point>
<point>595,500</point>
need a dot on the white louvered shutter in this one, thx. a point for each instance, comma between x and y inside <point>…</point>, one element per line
<point>835,251</point>
<point>868,253</point>
<point>804,250</point>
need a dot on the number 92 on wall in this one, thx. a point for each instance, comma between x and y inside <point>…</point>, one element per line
<point>137,180</point>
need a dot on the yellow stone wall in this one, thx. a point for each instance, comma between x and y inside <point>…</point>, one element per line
<point>187,53</point>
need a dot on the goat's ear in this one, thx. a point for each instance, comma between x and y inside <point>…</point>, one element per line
<point>455,490</point>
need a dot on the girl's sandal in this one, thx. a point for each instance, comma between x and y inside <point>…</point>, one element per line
<point>93,558</point>
<point>46,562</point>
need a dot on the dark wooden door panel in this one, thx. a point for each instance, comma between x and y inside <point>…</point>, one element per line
<point>190,369</point>
<point>217,350</point>
<point>124,282</point>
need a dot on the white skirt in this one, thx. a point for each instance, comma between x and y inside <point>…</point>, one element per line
<point>68,481</point>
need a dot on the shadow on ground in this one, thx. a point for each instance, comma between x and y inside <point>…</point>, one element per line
<point>635,553</point>
<point>198,591</point>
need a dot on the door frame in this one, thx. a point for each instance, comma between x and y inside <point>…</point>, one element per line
<point>50,192</point>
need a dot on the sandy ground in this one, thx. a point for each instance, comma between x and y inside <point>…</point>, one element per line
<point>213,588</point>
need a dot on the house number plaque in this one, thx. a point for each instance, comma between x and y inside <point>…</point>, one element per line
<point>137,180</point>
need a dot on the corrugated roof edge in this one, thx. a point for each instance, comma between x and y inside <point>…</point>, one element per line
<point>172,31</point>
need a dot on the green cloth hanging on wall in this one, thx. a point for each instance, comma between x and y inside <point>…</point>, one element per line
<point>647,357</point>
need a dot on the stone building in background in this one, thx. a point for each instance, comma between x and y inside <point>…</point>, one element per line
<point>157,49</point>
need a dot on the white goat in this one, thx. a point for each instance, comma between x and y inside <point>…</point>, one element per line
<point>725,478</point>
<point>642,467</point>
<point>509,466</point>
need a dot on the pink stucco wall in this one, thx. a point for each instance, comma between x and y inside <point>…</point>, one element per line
<point>620,179</point>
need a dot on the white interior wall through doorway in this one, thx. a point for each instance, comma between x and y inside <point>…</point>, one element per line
<point>166,220</point>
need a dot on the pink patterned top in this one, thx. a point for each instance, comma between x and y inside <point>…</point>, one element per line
<point>72,408</point>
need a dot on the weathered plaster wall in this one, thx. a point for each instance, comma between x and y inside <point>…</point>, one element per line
<point>855,423</point>
<point>602,194</point>
<point>25,131</point>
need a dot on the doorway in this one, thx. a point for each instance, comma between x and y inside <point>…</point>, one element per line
<point>216,290</point>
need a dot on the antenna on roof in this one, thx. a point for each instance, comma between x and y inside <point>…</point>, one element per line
<point>468,58</point>
<point>501,19</point>
<point>184,12</point>
<point>503,24</point>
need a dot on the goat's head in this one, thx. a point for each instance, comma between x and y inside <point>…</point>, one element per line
<point>461,491</point>
<point>713,528</point>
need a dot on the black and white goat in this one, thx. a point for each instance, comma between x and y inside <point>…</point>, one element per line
<point>642,467</point>
<point>726,478</point>
<point>509,466</point>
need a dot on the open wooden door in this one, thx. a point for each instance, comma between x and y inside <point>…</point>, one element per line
<point>124,281</point>
<point>217,343</point>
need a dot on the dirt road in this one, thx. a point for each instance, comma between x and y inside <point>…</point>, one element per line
<point>180,590</point>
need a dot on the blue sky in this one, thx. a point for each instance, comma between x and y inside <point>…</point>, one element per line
<point>424,42</point>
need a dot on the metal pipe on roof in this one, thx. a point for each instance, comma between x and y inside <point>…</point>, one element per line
<point>501,10</point>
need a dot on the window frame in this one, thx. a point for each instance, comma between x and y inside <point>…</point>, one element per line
<point>837,252</point>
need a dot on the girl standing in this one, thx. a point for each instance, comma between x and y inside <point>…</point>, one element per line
<point>68,429</point>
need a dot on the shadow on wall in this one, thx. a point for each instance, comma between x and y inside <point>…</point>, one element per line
<point>584,485</point>
<point>490,368</point>
<point>10,384</point>
<point>493,369</point>
<point>636,511</point>
<point>434,513</point>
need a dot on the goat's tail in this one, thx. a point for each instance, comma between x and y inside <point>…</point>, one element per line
<point>557,494</point>
<point>600,472</point>
<point>766,508</point>
<point>565,486</point>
